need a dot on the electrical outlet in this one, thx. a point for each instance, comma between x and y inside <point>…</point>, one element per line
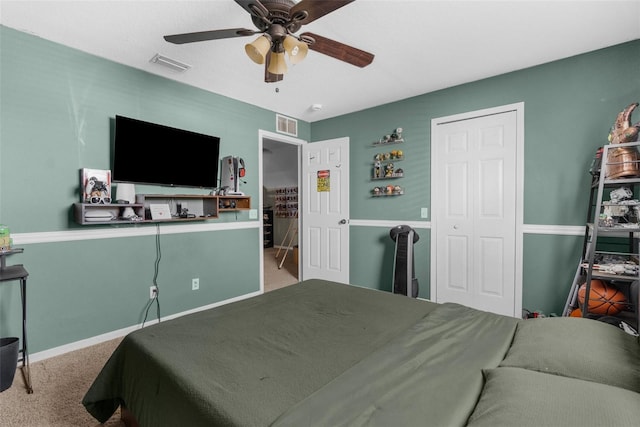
<point>153,292</point>
<point>424,212</point>
<point>253,214</point>
<point>195,284</point>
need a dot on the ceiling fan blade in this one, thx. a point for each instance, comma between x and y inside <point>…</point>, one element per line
<point>316,8</point>
<point>338,50</point>
<point>270,77</point>
<point>254,7</point>
<point>209,35</point>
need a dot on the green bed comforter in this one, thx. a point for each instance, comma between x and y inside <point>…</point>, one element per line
<point>430,375</point>
<point>325,354</point>
<point>245,363</point>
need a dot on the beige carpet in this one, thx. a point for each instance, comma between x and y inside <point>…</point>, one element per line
<point>275,277</point>
<point>59,383</point>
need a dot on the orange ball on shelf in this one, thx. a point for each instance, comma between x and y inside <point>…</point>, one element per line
<point>576,312</point>
<point>604,298</point>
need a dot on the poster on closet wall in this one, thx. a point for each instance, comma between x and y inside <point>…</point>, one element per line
<point>95,185</point>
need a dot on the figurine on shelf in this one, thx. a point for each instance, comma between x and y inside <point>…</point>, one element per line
<point>390,189</point>
<point>398,172</point>
<point>376,191</point>
<point>388,170</point>
<point>395,136</point>
<point>620,194</point>
<point>397,189</point>
<point>377,169</point>
<point>622,131</point>
<point>98,191</point>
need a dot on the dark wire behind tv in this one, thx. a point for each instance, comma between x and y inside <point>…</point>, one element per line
<point>156,154</point>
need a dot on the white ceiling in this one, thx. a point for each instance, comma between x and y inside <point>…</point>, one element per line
<point>420,46</point>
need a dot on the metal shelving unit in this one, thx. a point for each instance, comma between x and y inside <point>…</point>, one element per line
<point>618,220</point>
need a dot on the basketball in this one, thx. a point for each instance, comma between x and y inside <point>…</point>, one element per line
<point>603,299</point>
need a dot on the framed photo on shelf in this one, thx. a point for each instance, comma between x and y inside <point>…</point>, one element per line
<point>95,186</point>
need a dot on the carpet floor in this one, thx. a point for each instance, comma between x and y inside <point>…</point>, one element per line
<point>275,277</point>
<point>59,384</point>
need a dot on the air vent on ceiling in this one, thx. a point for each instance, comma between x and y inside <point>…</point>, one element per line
<point>286,125</point>
<point>170,63</point>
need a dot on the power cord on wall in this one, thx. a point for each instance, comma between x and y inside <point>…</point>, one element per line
<point>156,295</point>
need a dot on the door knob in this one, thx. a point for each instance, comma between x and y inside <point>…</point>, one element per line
<point>455,227</point>
<point>343,221</point>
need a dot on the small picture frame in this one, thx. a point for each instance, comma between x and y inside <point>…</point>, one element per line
<point>95,186</point>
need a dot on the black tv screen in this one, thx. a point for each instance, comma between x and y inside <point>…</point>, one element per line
<point>150,153</point>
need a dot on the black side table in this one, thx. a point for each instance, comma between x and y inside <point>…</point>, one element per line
<point>18,272</point>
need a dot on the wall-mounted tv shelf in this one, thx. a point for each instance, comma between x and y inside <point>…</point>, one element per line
<point>233,203</point>
<point>198,208</point>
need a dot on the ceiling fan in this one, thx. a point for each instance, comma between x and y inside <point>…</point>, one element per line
<point>277,22</point>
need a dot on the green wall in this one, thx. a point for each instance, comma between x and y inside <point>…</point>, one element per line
<point>569,106</point>
<point>56,110</point>
<point>57,107</point>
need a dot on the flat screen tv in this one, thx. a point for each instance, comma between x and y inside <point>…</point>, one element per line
<point>150,153</point>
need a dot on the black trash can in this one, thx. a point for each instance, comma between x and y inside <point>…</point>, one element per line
<point>8,361</point>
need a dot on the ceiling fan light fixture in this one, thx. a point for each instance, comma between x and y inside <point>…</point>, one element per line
<point>277,64</point>
<point>257,50</point>
<point>277,22</point>
<point>296,49</point>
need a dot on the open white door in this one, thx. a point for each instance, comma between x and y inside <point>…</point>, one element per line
<point>325,210</point>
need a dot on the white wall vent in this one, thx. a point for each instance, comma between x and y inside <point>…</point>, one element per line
<point>286,125</point>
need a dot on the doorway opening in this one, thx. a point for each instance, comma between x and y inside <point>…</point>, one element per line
<point>279,204</point>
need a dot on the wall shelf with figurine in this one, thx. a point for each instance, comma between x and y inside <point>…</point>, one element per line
<point>388,195</point>
<point>387,191</point>
<point>388,142</point>
<point>395,175</point>
<point>181,208</point>
<point>394,138</point>
<point>393,156</point>
<point>97,206</point>
<point>384,167</point>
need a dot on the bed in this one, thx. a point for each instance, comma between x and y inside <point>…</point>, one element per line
<point>320,353</point>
